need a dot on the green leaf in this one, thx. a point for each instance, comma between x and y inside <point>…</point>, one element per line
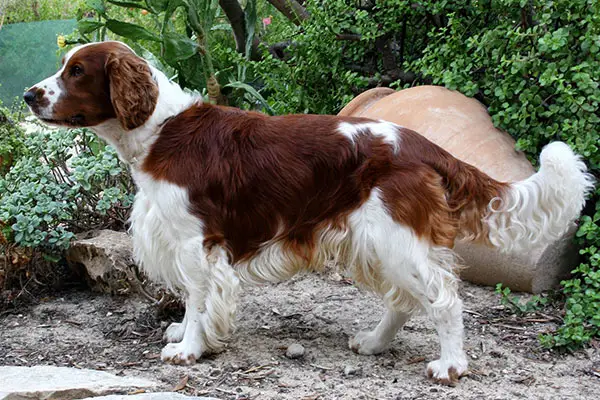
<point>130,31</point>
<point>250,20</point>
<point>253,92</point>
<point>128,4</point>
<point>158,5</point>
<point>96,5</point>
<point>178,47</point>
<point>86,26</point>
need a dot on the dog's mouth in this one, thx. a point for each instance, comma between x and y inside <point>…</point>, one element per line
<point>75,120</point>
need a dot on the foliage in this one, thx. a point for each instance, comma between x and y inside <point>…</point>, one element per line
<point>177,36</point>
<point>312,77</point>
<point>11,137</point>
<point>63,183</point>
<point>37,10</point>
<point>515,305</point>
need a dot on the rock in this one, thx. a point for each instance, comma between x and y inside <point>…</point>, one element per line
<point>350,370</point>
<point>108,259</point>
<point>151,396</point>
<point>295,350</point>
<point>462,126</point>
<point>48,382</point>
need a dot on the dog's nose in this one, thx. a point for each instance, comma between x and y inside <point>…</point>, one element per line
<point>29,96</point>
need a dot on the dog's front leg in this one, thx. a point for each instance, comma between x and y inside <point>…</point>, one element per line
<point>210,310</point>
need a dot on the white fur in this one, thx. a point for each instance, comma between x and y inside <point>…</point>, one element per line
<point>388,131</point>
<point>543,207</point>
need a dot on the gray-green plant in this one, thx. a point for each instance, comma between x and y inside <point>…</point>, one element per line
<point>63,183</point>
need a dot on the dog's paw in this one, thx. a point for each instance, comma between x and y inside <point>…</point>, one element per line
<point>447,372</point>
<point>181,353</point>
<point>174,333</point>
<point>367,343</point>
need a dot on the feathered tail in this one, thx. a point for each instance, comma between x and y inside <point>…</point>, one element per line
<point>544,206</point>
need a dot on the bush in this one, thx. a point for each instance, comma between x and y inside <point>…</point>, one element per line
<point>38,10</point>
<point>64,183</point>
<point>11,137</point>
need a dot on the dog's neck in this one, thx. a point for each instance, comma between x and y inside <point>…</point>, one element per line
<point>133,145</point>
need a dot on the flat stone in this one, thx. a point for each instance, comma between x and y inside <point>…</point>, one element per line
<point>151,396</point>
<point>463,127</point>
<point>54,383</point>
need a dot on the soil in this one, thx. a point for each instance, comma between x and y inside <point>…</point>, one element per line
<point>122,335</point>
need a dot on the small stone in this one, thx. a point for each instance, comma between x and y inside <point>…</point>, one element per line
<point>350,370</point>
<point>294,350</point>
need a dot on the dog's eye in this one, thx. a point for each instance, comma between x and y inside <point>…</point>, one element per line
<point>76,70</point>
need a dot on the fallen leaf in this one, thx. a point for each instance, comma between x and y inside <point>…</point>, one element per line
<point>181,384</point>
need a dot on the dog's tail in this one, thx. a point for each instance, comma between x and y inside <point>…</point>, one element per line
<point>514,216</point>
<point>542,207</point>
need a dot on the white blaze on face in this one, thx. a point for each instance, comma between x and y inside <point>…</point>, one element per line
<point>52,87</point>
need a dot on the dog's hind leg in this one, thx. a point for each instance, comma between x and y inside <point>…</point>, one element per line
<point>210,310</point>
<point>428,277</point>
<point>377,340</point>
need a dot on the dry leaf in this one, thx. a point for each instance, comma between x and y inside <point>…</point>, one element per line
<point>181,383</point>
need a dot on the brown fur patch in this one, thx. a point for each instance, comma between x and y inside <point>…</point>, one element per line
<point>133,91</point>
<point>253,178</point>
<point>113,83</point>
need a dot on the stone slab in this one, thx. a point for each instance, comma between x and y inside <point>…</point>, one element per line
<point>151,396</point>
<point>463,127</point>
<point>44,382</point>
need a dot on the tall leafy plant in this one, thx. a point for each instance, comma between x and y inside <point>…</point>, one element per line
<point>178,36</point>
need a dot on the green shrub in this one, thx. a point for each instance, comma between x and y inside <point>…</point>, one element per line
<point>11,137</point>
<point>38,10</point>
<point>63,183</point>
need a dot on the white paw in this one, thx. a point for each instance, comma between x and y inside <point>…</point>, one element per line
<point>181,353</point>
<point>174,333</point>
<point>447,372</point>
<point>367,343</point>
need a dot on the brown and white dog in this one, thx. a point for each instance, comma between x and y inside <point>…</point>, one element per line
<point>226,195</point>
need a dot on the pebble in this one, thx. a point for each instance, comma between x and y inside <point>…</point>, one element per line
<point>351,370</point>
<point>295,350</point>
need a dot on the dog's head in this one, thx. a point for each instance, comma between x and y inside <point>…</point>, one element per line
<point>97,82</point>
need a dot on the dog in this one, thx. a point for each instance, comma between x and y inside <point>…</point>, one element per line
<point>226,196</point>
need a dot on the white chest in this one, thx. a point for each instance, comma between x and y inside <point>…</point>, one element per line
<point>167,237</point>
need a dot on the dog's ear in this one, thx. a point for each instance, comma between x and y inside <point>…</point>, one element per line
<point>133,91</point>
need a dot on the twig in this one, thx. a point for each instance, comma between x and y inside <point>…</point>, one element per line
<point>256,377</point>
<point>415,360</point>
<point>321,367</point>
<point>226,391</point>
<point>257,368</point>
<point>516,328</point>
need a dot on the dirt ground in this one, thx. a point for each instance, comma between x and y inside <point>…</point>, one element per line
<point>122,335</point>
